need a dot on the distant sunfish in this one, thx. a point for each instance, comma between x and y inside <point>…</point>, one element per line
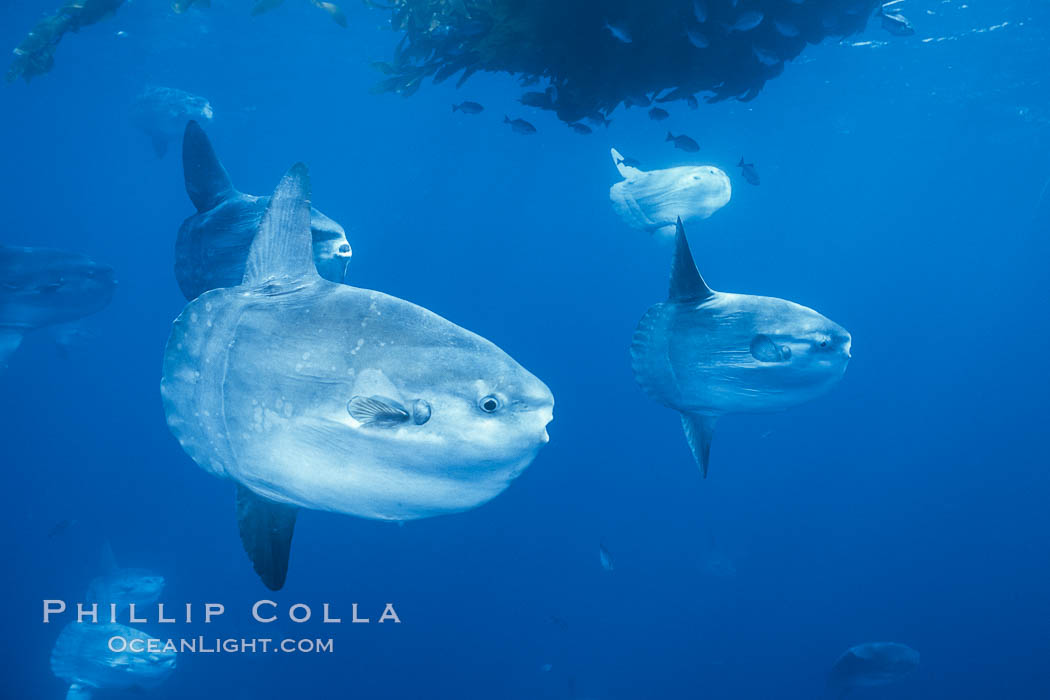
<point>652,201</point>
<point>706,353</point>
<point>870,665</point>
<point>212,246</point>
<point>84,657</point>
<point>123,587</point>
<point>42,287</point>
<point>162,112</point>
<point>310,394</point>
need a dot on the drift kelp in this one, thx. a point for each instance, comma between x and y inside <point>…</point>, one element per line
<point>598,55</point>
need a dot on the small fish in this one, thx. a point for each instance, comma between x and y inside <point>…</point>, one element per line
<point>627,160</point>
<point>637,101</point>
<point>749,172</point>
<point>265,6</point>
<point>519,126</point>
<point>658,114</point>
<point>747,21</point>
<point>700,11</point>
<point>604,557</point>
<point>786,28</point>
<point>896,23</point>
<point>619,33</point>
<point>697,38</point>
<point>765,57</point>
<point>468,108</point>
<point>382,411</point>
<point>60,527</point>
<point>333,11</point>
<point>543,100</point>
<point>581,128</point>
<point>683,142</point>
<point>180,6</point>
<point>692,102</point>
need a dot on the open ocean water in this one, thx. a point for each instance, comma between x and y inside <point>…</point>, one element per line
<point>905,193</point>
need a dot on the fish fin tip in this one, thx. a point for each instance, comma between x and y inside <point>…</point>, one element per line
<point>207,182</point>
<point>266,529</point>
<point>699,430</point>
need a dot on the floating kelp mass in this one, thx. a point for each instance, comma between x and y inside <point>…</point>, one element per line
<point>599,55</point>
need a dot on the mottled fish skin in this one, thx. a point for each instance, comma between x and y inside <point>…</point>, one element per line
<point>212,245</point>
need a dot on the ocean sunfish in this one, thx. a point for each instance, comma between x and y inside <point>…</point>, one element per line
<point>652,201</point>
<point>42,287</point>
<point>311,394</point>
<point>706,353</point>
<point>123,586</point>
<point>162,112</point>
<point>870,665</point>
<point>84,657</point>
<point>212,245</point>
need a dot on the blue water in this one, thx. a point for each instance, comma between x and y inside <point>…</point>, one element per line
<point>900,197</point>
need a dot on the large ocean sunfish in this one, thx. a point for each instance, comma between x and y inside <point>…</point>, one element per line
<point>41,287</point>
<point>311,394</point>
<point>212,246</point>
<point>652,201</point>
<point>706,353</point>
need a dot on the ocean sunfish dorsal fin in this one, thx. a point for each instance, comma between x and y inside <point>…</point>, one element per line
<point>107,561</point>
<point>627,171</point>
<point>686,282</point>
<point>266,531</point>
<point>207,182</point>
<point>699,429</point>
<point>283,247</point>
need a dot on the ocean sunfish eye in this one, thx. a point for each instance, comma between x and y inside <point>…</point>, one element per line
<point>764,349</point>
<point>345,248</point>
<point>490,403</point>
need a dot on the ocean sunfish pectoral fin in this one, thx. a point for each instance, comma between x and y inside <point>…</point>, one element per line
<point>283,247</point>
<point>79,692</point>
<point>377,410</point>
<point>699,429</point>
<point>627,171</point>
<point>686,283</point>
<point>207,182</point>
<point>10,339</point>
<point>266,532</point>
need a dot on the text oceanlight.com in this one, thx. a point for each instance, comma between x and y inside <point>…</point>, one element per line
<point>202,645</point>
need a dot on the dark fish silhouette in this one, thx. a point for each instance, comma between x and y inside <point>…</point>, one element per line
<point>519,126</point>
<point>581,128</point>
<point>658,114</point>
<point>468,108</point>
<point>683,142</point>
<point>749,172</point>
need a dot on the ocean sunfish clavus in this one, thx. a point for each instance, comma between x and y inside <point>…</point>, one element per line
<point>311,394</point>
<point>706,353</point>
<point>212,246</point>
<point>652,201</point>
